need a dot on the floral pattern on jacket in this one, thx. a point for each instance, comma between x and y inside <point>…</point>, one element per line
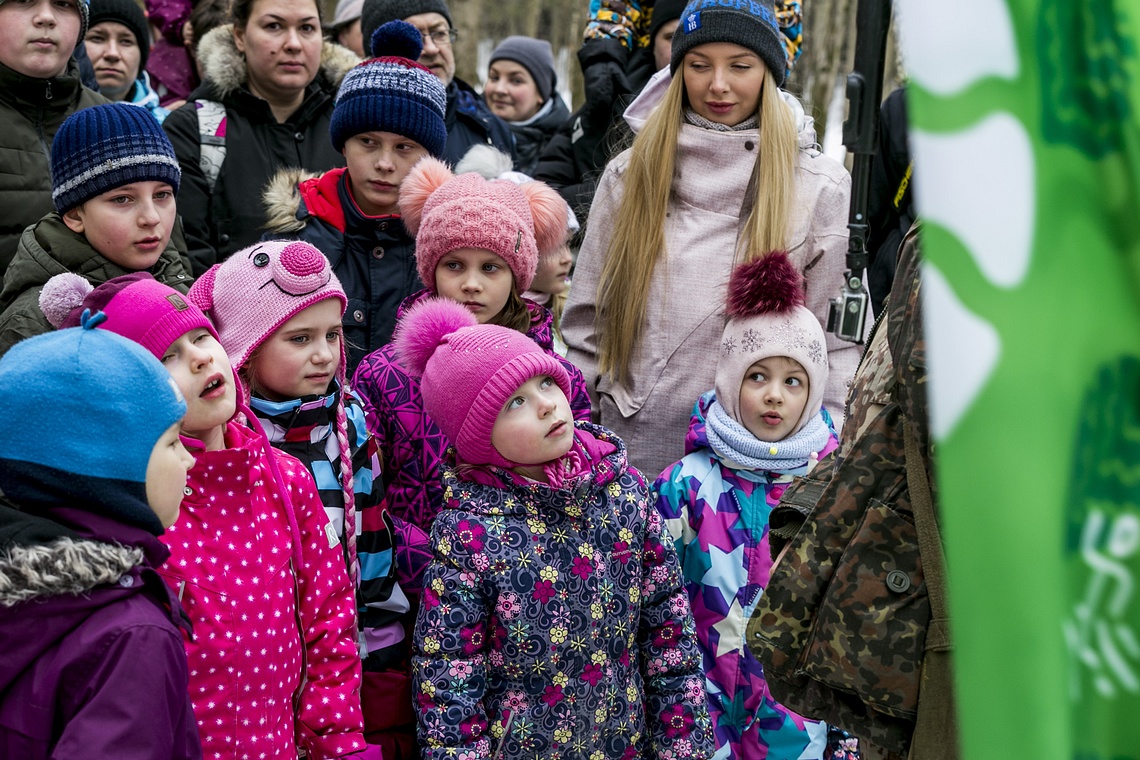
<point>717,514</point>
<point>553,621</point>
<point>411,444</point>
<point>264,629</point>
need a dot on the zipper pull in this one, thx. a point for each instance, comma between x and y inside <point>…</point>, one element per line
<point>47,91</point>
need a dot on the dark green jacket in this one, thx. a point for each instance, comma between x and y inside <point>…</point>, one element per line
<point>31,111</point>
<point>50,248</point>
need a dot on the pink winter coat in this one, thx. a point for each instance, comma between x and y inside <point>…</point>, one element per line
<point>263,628</point>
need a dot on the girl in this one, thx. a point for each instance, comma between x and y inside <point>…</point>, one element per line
<point>273,661</point>
<point>477,242</point>
<point>663,234</point>
<point>388,115</point>
<point>522,90</point>
<point>760,429</point>
<point>553,622</point>
<point>265,101</point>
<point>286,344</point>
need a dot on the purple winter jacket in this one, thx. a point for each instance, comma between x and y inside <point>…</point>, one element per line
<point>411,444</point>
<point>93,663</point>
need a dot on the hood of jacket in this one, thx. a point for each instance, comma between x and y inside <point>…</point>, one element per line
<point>541,329</point>
<point>224,66</point>
<point>637,113</point>
<point>49,248</point>
<point>282,199</point>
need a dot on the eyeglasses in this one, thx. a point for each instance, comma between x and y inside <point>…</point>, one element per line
<point>440,37</point>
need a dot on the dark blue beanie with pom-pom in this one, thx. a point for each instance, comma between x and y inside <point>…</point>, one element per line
<point>392,93</point>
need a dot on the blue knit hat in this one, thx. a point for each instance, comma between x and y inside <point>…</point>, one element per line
<point>83,409</point>
<point>392,93</point>
<point>108,146</point>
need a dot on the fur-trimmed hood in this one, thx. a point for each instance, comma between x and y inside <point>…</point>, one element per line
<point>64,566</point>
<point>224,66</point>
<point>282,199</point>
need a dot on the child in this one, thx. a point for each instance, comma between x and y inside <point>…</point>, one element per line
<point>114,178</point>
<point>273,662</point>
<point>553,621</point>
<point>762,427</point>
<point>286,344</point>
<point>477,242</point>
<point>92,471</point>
<point>40,87</point>
<point>388,115</point>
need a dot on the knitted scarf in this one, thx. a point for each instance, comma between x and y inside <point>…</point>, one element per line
<point>694,118</point>
<point>730,440</point>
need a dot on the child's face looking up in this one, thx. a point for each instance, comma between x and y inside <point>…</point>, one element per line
<point>476,278</point>
<point>166,475</point>
<point>130,225</point>
<point>302,356</point>
<point>38,36</point>
<point>772,397</point>
<point>201,369</point>
<point>535,426</point>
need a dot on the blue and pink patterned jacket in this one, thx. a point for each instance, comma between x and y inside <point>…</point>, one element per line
<point>718,518</point>
<point>553,622</point>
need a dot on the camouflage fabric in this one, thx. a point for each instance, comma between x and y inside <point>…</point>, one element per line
<point>842,629</point>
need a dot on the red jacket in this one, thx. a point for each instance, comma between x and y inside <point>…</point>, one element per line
<point>264,629</point>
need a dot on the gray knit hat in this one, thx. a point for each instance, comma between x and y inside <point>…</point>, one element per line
<point>376,13</point>
<point>751,24</point>
<point>536,56</point>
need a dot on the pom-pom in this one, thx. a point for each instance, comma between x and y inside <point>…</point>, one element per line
<point>427,176</point>
<point>397,39</point>
<point>488,162</point>
<point>424,327</point>
<point>62,295</point>
<point>551,217</point>
<point>202,291</point>
<point>770,285</point>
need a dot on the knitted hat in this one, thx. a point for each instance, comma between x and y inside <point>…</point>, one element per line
<point>136,305</point>
<point>392,93</point>
<point>767,317</point>
<point>129,14</point>
<point>103,147</point>
<point>468,371</point>
<point>749,23</point>
<point>446,212</point>
<point>346,12</point>
<point>260,288</point>
<point>664,11</point>
<point>85,408</point>
<point>535,56</point>
<point>376,13</point>
<point>491,163</point>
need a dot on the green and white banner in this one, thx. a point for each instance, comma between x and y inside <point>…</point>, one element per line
<point>1025,130</point>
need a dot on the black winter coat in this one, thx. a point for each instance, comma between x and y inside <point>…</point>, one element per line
<point>373,257</point>
<point>232,217</point>
<point>469,122</point>
<point>530,139</point>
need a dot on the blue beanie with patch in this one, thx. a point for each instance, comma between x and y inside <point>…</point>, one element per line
<point>105,147</point>
<point>752,24</point>
<point>80,412</point>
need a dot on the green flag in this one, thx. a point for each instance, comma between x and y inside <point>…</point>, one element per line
<point>1025,119</point>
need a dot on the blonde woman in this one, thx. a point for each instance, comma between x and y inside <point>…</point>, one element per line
<point>724,169</point>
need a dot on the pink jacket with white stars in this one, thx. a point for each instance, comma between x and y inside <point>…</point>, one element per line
<point>264,631</point>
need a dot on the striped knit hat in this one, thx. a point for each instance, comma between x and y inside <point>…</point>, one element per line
<point>392,93</point>
<point>108,146</point>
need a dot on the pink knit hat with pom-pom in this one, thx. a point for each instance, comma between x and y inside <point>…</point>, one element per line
<point>260,288</point>
<point>468,371</point>
<point>446,212</point>
<point>767,317</point>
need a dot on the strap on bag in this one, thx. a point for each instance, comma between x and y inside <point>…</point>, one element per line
<point>929,542</point>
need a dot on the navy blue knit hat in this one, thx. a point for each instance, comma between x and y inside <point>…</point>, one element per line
<point>108,146</point>
<point>751,24</point>
<point>83,411</point>
<point>392,93</point>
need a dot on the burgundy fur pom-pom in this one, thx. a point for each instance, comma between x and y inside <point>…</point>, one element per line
<point>424,327</point>
<point>769,285</point>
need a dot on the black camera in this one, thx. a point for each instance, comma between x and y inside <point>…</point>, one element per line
<point>847,312</point>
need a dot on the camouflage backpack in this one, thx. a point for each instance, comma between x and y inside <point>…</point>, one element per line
<point>856,605</point>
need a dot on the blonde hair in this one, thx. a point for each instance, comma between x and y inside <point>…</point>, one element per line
<point>638,239</point>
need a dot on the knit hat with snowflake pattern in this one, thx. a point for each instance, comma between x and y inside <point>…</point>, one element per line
<point>767,317</point>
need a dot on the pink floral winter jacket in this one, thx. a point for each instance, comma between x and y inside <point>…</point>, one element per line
<point>263,628</point>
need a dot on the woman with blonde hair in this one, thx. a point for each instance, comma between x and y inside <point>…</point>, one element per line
<point>724,169</point>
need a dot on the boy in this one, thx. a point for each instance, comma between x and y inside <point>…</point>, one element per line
<point>114,179</point>
<point>762,427</point>
<point>39,88</point>
<point>92,471</point>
